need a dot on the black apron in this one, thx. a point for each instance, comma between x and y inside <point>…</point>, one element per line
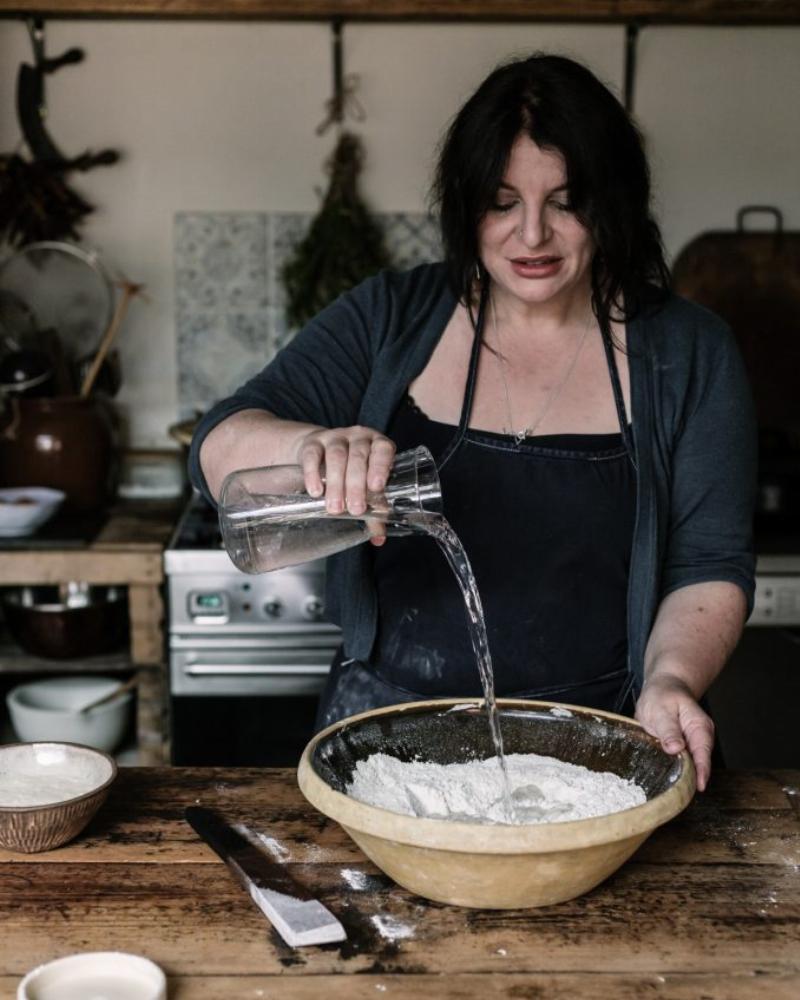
<point>547,525</point>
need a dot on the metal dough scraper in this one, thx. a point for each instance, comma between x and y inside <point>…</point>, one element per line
<point>293,912</point>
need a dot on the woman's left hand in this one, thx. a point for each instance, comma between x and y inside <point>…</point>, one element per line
<point>695,631</point>
<point>669,711</point>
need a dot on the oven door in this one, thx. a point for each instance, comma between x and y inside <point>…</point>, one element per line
<point>273,671</point>
<point>248,706</point>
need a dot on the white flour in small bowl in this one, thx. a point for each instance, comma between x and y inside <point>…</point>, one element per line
<point>543,789</point>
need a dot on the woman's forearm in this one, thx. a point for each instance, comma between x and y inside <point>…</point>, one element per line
<point>249,439</point>
<point>695,631</point>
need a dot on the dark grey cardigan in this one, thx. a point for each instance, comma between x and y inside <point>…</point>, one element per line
<point>693,430</point>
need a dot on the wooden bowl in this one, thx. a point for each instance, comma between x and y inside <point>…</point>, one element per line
<point>495,866</point>
<point>49,792</point>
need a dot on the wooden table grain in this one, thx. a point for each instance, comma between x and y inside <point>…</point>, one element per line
<point>708,907</point>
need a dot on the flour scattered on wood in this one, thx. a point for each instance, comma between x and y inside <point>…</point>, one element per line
<point>391,928</point>
<point>543,789</point>
<point>355,879</point>
<point>275,848</point>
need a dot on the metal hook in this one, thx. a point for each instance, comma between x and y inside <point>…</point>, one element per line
<point>631,40</point>
<point>343,99</point>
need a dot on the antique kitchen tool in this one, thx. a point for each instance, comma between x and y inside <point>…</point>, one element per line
<point>750,276</point>
<point>63,287</point>
<point>293,912</point>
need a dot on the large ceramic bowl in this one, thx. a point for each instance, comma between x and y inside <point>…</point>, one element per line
<point>49,792</point>
<point>495,866</point>
<point>50,709</point>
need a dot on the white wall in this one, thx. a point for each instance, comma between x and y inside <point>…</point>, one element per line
<point>222,117</point>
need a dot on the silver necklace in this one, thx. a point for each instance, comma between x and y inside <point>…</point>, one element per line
<point>520,435</point>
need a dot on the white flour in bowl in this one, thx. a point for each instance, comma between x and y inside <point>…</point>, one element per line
<point>543,789</point>
<point>41,790</point>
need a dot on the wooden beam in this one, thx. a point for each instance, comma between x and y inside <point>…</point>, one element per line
<point>53,566</point>
<point>710,12</point>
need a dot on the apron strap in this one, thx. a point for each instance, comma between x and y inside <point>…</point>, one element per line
<point>619,399</point>
<point>472,377</point>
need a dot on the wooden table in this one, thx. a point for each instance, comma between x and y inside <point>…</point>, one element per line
<point>709,907</point>
<point>128,551</point>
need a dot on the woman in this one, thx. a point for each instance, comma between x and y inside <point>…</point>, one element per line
<point>594,434</point>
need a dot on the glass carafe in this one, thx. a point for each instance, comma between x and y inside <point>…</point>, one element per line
<point>269,521</point>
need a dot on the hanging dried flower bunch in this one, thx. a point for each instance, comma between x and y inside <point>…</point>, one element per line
<point>344,244</point>
<point>36,203</point>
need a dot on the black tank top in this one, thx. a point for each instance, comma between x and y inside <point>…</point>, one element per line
<point>548,527</point>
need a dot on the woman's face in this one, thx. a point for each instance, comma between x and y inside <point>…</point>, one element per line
<point>530,242</point>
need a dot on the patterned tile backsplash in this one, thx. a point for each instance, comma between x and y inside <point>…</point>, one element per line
<point>230,302</point>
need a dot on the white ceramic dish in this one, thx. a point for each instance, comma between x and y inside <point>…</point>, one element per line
<point>49,709</point>
<point>49,792</point>
<point>95,974</point>
<point>23,509</point>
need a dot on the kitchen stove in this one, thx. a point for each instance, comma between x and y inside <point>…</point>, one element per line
<point>248,655</point>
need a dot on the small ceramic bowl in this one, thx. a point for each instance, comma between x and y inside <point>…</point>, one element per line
<point>49,792</point>
<point>95,974</point>
<point>49,709</point>
<point>498,866</point>
<point>26,508</point>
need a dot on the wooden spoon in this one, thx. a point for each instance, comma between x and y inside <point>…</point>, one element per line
<point>129,289</point>
<point>127,686</point>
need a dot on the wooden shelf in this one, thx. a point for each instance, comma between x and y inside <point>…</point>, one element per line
<point>151,725</point>
<point>14,660</point>
<point>732,12</point>
<point>128,551</point>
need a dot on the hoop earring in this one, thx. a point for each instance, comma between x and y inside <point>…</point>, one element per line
<point>478,276</point>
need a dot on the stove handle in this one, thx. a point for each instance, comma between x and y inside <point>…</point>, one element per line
<point>256,670</point>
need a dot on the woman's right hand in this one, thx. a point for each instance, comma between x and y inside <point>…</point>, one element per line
<point>356,461</point>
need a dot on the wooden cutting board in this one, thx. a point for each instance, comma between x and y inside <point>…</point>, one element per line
<point>751,278</point>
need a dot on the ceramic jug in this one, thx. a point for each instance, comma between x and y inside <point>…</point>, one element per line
<point>64,442</point>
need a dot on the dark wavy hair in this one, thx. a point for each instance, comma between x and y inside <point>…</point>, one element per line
<point>561,106</point>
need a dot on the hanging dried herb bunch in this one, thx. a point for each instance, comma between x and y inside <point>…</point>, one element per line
<point>344,244</point>
<point>36,203</point>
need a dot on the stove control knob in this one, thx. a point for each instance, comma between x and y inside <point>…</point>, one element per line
<point>273,608</point>
<point>313,608</point>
